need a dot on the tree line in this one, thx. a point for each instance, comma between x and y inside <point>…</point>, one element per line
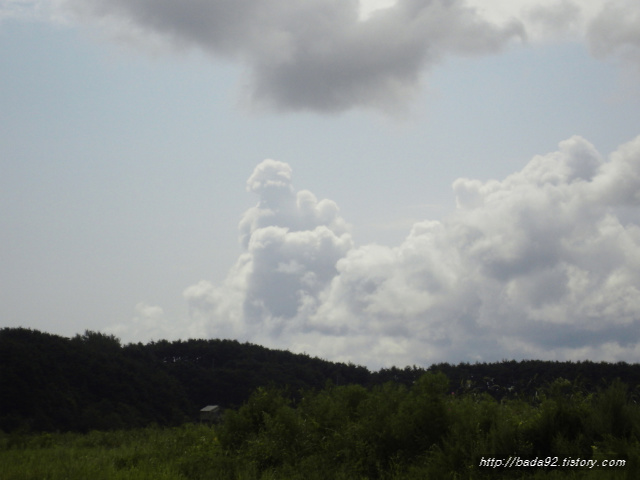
<point>93,382</point>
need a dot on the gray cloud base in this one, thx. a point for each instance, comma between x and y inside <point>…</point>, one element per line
<point>318,54</point>
<point>615,31</point>
<point>542,264</point>
<point>325,56</point>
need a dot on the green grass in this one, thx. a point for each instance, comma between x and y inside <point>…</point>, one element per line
<point>188,452</point>
<point>193,452</point>
<point>391,432</point>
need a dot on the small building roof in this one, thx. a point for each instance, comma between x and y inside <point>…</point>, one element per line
<point>210,408</point>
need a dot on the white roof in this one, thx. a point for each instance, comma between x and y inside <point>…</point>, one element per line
<point>210,408</point>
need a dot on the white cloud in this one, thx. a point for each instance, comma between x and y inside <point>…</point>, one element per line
<point>280,206</point>
<point>148,323</point>
<point>544,263</point>
<point>292,243</point>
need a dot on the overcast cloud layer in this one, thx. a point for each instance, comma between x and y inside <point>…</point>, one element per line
<point>334,55</point>
<point>542,264</point>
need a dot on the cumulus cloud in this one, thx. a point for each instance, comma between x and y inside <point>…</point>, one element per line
<point>150,323</point>
<point>292,243</point>
<point>544,263</point>
<point>321,55</point>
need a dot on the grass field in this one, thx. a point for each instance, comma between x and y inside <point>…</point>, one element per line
<point>350,433</point>
<point>187,452</point>
<point>193,452</point>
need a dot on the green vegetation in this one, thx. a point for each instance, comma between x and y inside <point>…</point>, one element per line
<point>92,382</point>
<point>189,451</point>
<point>90,407</point>
<point>390,431</point>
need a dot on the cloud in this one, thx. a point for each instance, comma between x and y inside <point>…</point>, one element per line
<point>615,31</point>
<point>150,323</point>
<point>280,206</point>
<point>562,18</point>
<point>330,56</point>
<point>292,243</point>
<point>544,263</point>
<point>320,55</point>
<point>26,9</point>
<point>609,28</point>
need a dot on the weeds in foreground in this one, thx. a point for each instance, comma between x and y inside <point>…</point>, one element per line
<point>390,432</point>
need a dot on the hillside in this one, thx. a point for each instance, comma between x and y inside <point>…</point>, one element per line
<point>92,381</point>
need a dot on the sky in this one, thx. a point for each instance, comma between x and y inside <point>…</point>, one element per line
<point>379,182</point>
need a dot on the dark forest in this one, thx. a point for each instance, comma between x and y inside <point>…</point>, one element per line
<point>93,382</point>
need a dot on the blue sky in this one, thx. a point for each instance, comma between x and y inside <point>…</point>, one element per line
<point>126,145</point>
